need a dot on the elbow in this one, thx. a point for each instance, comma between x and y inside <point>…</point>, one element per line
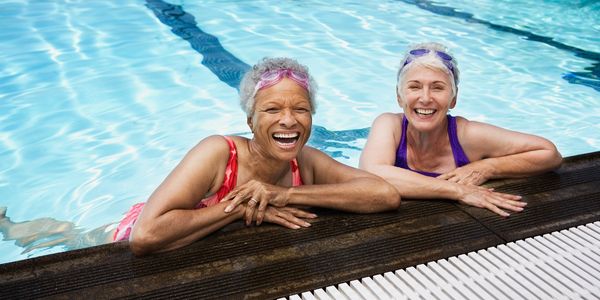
<point>390,197</point>
<point>141,243</point>
<point>554,159</point>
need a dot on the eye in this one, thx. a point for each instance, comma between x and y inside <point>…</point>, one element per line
<point>271,110</point>
<point>301,109</point>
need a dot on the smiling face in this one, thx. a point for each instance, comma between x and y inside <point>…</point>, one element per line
<point>282,120</point>
<point>427,97</point>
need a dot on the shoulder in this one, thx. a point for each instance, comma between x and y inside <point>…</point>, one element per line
<point>310,158</point>
<point>468,130</point>
<point>387,123</point>
<point>389,119</point>
<point>308,154</point>
<point>213,143</point>
<point>214,147</point>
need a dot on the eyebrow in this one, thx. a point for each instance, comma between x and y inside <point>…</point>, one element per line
<point>437,81</point>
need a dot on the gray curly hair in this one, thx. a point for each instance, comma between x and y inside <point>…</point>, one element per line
<point>252,77</point>
<point>429,60</point>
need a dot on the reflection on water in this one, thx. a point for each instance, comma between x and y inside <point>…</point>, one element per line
<point>48,232</point>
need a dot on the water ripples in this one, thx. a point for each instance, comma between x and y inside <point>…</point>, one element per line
<point>100,100</point>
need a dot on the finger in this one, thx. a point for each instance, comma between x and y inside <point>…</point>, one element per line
<point>262,208</point>
<point>507,196</point>
<point>300,213</point>
<point>509,204</point>
<point>497,210</point>
<point>505,204</point>
<point>249,213</point>
<point>444,176</point>
<point>454,179</point>
<point>283,222</point>
<point>292,219</point>
<point>236,199</point>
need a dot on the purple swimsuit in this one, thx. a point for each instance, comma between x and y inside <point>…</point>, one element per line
<point>460,158</point>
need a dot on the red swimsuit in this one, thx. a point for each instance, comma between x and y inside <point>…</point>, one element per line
<point>229,182</point>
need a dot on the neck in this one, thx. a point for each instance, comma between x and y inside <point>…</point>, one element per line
<point>264,166</point>
<point>428,141</point>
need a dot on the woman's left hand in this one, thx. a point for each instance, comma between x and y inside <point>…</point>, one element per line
<point>472,174</point>
<point>258,195</point>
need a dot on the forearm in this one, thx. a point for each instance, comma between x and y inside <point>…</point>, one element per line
<point>179,227</point>
<point>521,164</point>
<point>361,195</point>
<point>416,186</point>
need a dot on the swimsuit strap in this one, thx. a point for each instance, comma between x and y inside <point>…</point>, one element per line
<point>402,157</point>
<point>296,177</point>
<point>229,180</point>
<point>460,158</point>
<point>401,160</point>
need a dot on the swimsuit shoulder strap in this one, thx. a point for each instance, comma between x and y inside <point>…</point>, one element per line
<point>401,160</point>
<point>296,177</point>
<point>460,158</point>
<point>230,179</point>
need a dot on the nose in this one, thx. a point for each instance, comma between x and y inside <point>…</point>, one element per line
<point>287,119</point>
<point>425,95</point>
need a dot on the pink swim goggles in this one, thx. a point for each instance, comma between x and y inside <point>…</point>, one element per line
<point>272,77</point>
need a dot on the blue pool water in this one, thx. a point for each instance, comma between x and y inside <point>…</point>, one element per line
<point>99,100</point>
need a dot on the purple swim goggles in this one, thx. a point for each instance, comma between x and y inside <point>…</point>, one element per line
<point>445,57</point>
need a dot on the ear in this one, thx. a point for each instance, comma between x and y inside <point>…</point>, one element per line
<point>398,98</point>
<point>249,122</point>
<point>453,102</point>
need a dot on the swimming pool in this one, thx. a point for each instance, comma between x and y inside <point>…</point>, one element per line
<point>100,100</point>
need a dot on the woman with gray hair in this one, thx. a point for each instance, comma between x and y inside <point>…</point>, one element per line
<point>426,153</point>
<point>227,178</point>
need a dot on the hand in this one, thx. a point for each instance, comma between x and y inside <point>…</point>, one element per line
<point>255,193</point>
<point>486,198</point>
<point>287,217</point>
<point>474,174</point>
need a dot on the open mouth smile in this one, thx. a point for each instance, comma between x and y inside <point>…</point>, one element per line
<point>425,112</point>
<point>287,139</point>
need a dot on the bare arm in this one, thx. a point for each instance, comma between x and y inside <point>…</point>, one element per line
<point>379,156</point>
<point>342,187</point>
<point>501,153</point>
<point>169,220</point>
<point>327,183</point>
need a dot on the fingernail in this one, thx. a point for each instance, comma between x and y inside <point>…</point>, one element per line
<point>306,224</point>
<point>228,208</point>
<point>313,216</point>
<point>524,203</point>
<point>296,227</point>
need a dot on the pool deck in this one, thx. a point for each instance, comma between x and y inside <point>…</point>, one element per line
<point>270,261</point>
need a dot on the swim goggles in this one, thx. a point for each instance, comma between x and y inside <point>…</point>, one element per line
<point>272,77</point>
<point>445,57</point>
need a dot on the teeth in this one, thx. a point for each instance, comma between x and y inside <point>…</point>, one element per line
<point>424,111</point>
<point>286,135</point>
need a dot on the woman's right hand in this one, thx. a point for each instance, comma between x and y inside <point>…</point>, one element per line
<point>494,201</point>
<point>289,217</point>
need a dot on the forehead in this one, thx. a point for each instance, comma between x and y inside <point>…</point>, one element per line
<point>426,74</point>
<point>283,91</point>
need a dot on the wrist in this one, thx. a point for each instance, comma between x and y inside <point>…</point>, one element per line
<point>487,168</point>
<point>456,191</point>
<point>288,196</point>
